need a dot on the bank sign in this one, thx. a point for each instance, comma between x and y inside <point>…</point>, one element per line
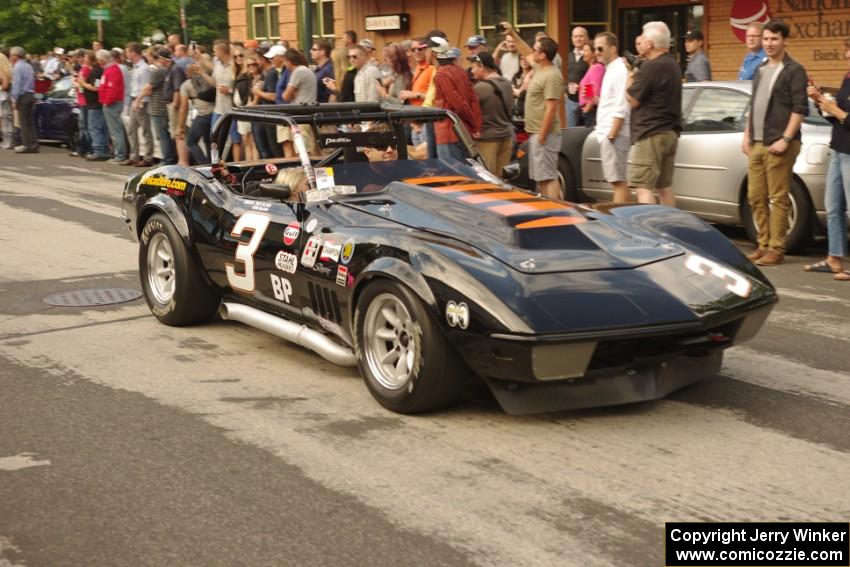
<point>825,21</point>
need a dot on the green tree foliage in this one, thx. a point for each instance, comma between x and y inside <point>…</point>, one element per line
<point>40,25</point>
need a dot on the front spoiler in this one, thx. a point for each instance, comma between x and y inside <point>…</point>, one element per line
<point>606,388</point>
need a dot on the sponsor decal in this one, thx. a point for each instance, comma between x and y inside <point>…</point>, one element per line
<point>261,206</point>
<point>330,251</point>
<point>311,251</point>
<point>322,269</point>
<point>324,177</point>
<point>271,168</point>
<point>347,251</point>
<point>281,287</point>
<point>746,13</point>
<point>291,233</point>
<point>170,185</point>
<point>342,276</point>
<point>286,262</point>
<point>457,314</point>
<point>736,283</point>
<point>311,225</point>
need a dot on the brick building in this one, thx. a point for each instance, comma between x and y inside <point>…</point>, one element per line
<point>818,27</point>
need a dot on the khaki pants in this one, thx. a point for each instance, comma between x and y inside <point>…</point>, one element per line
<point>769,181</point>
<point>496,153</point>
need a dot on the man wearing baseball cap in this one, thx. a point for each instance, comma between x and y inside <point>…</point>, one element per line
<point>476,44</point>
<point>453,91</point>
<point>496,98</point>
<point>699,69</point>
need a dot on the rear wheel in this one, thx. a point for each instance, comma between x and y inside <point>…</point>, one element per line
<point>174,289</point>
<point>799,222</point>
<point>567,180</point>
<point>405,361</point>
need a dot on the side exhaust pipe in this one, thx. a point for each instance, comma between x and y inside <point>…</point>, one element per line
<point>292,332</point>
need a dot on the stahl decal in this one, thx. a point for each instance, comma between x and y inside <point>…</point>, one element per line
<point>286,262</point>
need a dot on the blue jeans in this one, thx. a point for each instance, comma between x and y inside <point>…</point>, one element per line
<point>235,137</point>
<point>83,138</point>
<point>453,150</point>
<point>837,199</point>
<point>112,114</point>
<point>200,130</point>
<point>98,132</point>
<point>573,109</point>
<point>159,124</point>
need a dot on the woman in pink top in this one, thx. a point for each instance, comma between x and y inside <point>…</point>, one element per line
<point>589,88</point>
<point>81,72</point>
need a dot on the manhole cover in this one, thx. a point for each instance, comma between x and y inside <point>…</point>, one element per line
<point>92,297</point>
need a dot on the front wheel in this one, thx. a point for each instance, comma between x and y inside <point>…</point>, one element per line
<point>567,180</point>
<point>405,361</point>
<point>174,289</point>
<point>799,219</point>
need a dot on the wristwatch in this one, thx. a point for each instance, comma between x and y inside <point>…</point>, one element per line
<point>787,139</point>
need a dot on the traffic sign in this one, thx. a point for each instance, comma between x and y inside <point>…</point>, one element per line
<point>99,14</point>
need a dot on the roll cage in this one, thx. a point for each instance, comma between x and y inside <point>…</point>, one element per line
<point>315,116</point>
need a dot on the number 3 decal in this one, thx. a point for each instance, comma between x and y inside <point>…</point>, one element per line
<point>245,251</point>
<point>736,283</point>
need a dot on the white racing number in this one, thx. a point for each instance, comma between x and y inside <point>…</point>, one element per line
<point>736,283</point>
<point>256,223</point>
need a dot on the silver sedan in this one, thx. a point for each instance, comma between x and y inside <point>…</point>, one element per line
<point>710,180</point>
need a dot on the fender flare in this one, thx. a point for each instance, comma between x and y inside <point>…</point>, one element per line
<point>163,204</point>
<point>399,270</point>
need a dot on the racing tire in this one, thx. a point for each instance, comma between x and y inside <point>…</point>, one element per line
<point>567,180</point>
<point>173,286</point>
<point>404,358</point>
<point>800,227</point>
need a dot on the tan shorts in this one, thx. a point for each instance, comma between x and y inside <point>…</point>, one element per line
<point>653,160</point>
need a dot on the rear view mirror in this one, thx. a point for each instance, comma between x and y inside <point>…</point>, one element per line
<point>282,192</point>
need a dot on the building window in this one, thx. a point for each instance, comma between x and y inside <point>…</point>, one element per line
<point>265,23</point>
<point>593,16</point>
<point>323,18</point>
<point>679,19</point>
<point>527,16</point>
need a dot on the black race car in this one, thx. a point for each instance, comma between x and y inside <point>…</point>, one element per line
<point>425,272</point>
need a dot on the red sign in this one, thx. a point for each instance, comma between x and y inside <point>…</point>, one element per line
<point>745,13</point>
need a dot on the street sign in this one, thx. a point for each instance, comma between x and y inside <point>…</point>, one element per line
<point>99,14</point>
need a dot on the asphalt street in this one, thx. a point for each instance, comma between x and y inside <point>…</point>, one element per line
<point>126,442</point>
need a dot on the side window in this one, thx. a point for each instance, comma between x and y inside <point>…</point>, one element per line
<point>717,110</point>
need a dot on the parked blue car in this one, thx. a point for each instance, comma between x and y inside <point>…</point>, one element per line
<point>57,114</point>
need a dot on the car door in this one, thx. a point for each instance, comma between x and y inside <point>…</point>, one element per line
<point>593,181</point>
<point>265,240</point>
<point>709,164</point>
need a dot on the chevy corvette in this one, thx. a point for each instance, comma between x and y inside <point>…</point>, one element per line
<point>426,273</point>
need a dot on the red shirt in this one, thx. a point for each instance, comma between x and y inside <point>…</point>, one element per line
<point>111,88</point>
<point>84,75</point>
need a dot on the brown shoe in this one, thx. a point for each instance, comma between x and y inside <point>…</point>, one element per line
<point>144,163</point>
<point>772,258</point>
<point>130,162</point>
<point>757,254</point>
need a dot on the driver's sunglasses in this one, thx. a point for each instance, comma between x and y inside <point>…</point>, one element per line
<point>599,49</point>
<point>418,49</point>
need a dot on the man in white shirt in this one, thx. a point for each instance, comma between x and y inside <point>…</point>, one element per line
<point>366,80</point>
<point>612,116</point>
<point>139,130</point>
<point>507,56</point>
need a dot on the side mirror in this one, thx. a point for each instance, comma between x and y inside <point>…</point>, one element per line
<point>281,192</point>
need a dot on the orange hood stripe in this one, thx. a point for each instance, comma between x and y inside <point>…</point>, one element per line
<point>464,188</point>
<point>520,208</point>
<point>428,180</point>
<point>492,197</point>
<point>550,222</point>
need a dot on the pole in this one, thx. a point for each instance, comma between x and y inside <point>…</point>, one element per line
<point>183,22</point>
<point>100,31</point>
<point>307,28</point>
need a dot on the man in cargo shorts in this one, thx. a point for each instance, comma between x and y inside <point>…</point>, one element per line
<point>543,101</point>
<point>655,96</point>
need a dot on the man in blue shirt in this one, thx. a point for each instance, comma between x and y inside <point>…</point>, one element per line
<point>321,55</point>
<point>23,86</point>
<point>754,56</point>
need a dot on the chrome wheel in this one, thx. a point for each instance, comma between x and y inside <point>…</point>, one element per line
<point>161,274</point>
<point>390,341</point>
